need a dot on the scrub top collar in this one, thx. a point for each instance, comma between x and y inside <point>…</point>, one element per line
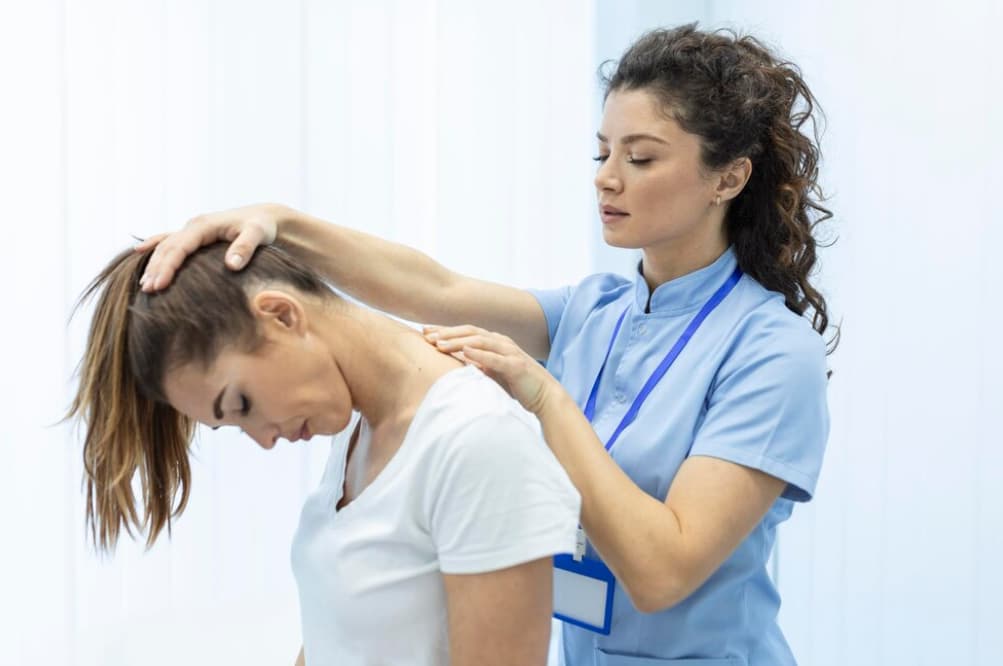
<point>687,292</point>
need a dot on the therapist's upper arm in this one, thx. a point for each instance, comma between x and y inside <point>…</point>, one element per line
<point>501,617</point>
<point>717,503</point>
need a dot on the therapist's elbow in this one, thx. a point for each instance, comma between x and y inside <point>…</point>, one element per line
<point>655,591</point>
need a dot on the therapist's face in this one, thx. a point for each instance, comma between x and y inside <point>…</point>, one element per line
<point>650,171</point>
<point>289,387</point>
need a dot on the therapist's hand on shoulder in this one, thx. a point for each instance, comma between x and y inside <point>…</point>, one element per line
<point>499,358</point>
<point>247,228</point>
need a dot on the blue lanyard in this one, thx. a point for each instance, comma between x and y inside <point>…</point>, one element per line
<point>663,367</point>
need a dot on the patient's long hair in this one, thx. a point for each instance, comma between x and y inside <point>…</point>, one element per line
<point>135,339</point>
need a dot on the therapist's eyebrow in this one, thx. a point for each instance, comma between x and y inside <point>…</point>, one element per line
<point>217,409</point>
<point>631,138</point>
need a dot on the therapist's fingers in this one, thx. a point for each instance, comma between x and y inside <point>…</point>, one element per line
<point>489,362</point>
<point>150,242</point>
<point>484,361</point>
<point>492,351</point>
<point>239,226</point>
<point>513,370</point>
<point>490,357</point>
<point>435,333</point>
<point>168,255</point>
<point>477,339</point>
<point>498,357</point>
<point>165,261</point>
<point>244,245</point>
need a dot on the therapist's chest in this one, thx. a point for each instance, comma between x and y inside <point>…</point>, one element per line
<point>658,439</point>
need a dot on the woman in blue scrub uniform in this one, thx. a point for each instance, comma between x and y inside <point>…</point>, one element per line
<point>687,401</point>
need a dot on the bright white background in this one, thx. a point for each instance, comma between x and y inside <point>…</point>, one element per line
<point>463,128</point>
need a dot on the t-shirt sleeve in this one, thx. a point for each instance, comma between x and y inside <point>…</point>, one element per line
<point>768,411</point>
<point>553,302</point>
<point>499,498</point>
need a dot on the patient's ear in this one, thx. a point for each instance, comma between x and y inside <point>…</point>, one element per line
<point>275,308</point>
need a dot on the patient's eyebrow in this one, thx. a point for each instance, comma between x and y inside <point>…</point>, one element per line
<point>217,409</point>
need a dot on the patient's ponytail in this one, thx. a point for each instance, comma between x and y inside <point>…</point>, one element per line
<point>126,430</point>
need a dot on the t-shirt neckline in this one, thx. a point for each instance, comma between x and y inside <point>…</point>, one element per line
<point>390,469</point>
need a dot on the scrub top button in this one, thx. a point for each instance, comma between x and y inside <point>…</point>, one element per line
<point>620,397</point>
<point>642,329</point>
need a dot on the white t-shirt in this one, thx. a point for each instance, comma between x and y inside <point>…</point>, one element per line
<point>473,488</point>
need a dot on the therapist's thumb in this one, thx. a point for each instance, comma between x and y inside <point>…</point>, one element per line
<point>242,248</point>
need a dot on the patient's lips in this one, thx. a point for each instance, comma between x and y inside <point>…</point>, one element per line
<point>304,433</point>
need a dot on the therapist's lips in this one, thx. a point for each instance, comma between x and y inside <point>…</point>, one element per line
<point>611,214</point>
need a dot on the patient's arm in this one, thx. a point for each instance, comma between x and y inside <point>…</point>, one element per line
<point>502,617</point>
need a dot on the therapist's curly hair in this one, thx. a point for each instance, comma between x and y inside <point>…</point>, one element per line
<point>135,339</point>
<point>743,101</point>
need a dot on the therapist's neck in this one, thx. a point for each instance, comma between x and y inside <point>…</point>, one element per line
<point>681,256</point>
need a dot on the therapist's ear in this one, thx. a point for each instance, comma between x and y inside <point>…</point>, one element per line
<point>279,311</point>
<point>732,180</point>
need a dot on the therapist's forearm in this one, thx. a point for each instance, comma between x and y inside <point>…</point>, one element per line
<point>638,536</point>
<point>409,284</point>
<point>390,276</point>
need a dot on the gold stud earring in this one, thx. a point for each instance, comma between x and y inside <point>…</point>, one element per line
<point>717,200</point>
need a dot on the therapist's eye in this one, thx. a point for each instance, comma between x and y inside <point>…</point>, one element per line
<point>638,161</point>
<point>600,158</point>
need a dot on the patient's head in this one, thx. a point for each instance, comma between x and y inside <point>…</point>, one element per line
<point>155,364</point>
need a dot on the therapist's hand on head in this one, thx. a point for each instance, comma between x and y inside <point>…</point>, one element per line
<point>499,358</point>
<point>247,227</point>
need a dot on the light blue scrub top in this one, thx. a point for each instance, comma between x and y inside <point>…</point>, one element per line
<point>750,387</point>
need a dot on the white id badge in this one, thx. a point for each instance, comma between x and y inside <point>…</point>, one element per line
<point>583,593</point>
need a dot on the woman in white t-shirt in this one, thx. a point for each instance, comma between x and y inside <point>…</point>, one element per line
<point>429,538</point>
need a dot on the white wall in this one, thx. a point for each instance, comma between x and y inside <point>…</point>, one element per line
<point>416,120</point>
<point>897,559</point>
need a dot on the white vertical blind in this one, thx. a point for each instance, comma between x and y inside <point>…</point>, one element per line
<point>36,579</point>
<point>896,561</point>
<point>460,128</point>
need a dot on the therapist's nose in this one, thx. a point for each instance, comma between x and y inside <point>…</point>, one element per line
<point>607,178</point>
